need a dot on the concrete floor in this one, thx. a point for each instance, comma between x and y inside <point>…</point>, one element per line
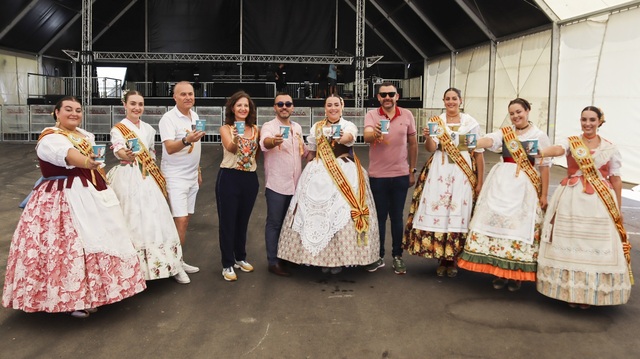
<point>354,314</point>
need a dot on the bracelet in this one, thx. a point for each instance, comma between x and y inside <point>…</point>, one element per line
<point>86,162</point>
<point>541,155</point>
<point>273,142</point>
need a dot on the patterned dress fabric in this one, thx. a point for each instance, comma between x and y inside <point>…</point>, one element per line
<point>71,249</point>
<point>146,210</point>
<point>581,258</point>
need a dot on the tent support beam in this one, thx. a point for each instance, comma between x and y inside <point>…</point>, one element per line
<point>18,18</point>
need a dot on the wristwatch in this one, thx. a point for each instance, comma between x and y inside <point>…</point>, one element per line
<point>184,141</point>
<point>414,170</point>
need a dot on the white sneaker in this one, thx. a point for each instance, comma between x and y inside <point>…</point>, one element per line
<point>229,275</point>
<point>244,266</point>
<point>189,268</point>
<point>182,278</point>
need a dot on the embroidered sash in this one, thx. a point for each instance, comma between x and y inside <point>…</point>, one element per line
<point>144,158</point>
<point>82,145</point>
<point>359,208</point>
<point>520,157</point>
<point>454,153</point>
<point>582,155</point>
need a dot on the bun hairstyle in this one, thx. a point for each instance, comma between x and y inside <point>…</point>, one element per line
<point>127,93</point>
<point>59,105</point>
<point>598,112</point>
<point>522,102</point>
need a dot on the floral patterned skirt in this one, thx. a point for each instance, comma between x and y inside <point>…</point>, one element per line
<point>49,269</point>
<point>433,244</point>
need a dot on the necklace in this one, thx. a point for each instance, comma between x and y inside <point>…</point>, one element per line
<point>453,117</point>
<point>589,139</point>
<point>523,128</point>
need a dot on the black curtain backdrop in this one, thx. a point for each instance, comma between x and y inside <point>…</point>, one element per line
<point>211,26</point>
<point>284,27</point>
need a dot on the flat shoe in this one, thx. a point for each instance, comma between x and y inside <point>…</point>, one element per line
<point>452,272</point>
<point>514,285</point>
<point>441,271</point>
<point>79,314</point>
<point>584,306</point>
<point>499,283</point>
<point>92,310</point>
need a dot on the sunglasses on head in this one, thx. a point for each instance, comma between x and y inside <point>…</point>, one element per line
<point>385,94</point>
<point>282,104</point>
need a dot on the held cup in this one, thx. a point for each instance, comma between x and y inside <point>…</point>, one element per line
<point>433,129</point>
<point>530,147</point>
<point>335,131</point>
<point>100,151</point>
<point>284,131</point>
<point>471,140</point>
<point>134,145</point>
<point>384,126</point>
<point>200,125</point>
<point>240,127</point>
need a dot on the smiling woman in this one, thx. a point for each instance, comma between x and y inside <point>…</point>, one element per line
<point>584,253</point>
<point>82,236</point>
<point>237,183</point>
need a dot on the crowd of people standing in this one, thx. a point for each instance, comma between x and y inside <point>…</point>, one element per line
<point>87,238</point>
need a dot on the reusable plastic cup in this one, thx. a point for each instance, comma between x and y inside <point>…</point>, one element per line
<point>530,147</point>
<point>100,151</point>
<point>384,126</point>
<point>240,127</point>
<point>471,140</point>
<point>335,131</point>
<point>134,145</point>
<point>433,129</point>
<point>284,131</point>
<point>200,125</point>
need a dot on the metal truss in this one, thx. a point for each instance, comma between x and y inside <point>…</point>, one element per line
<point>360,59</point>
<point>126,57</point>
<point>85,56</point>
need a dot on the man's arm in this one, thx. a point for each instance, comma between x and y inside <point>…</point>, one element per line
<point>412,141</point>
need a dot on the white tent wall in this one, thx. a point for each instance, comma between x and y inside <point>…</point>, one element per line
<point>13,78</point>
<point>599,66</point>
<point>438,79</point>
<point>471,76</point>
<point>522,70</point>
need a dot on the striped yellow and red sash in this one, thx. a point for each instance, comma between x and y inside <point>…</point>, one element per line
<point>79,143</point>
<point>520,157</point>
<point>454,153</point>
<point>144,157</point>
<point>582,155</point>
<point>359,207</point>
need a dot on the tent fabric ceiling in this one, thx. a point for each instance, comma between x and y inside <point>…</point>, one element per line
<point>50,26</point>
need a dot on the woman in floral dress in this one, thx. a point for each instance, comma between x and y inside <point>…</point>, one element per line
<point>504,233</point>
<point>442,202</point>
<point>71,251</point>
<point>140,187</point>
<point>237,183</point>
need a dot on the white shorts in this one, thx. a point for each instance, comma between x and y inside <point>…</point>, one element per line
<point>182,196</point>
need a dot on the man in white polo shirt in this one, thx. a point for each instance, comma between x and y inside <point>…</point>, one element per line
<point>181,159</point>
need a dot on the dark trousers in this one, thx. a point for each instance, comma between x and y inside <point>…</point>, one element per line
<point>277,206</point>
<point>236,193</point>
<point>390,195</point>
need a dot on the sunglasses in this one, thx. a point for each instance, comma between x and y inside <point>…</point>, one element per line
<point>385,94</point>
<point>282,104</point>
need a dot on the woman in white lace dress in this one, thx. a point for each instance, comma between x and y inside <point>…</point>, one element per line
<point>139,186</point>
<point>331,221</point>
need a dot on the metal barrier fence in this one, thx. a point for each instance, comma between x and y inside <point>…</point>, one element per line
<point>23,123</point>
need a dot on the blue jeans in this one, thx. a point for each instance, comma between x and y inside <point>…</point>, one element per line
<point>277,206</point>
<point>390,195</point>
